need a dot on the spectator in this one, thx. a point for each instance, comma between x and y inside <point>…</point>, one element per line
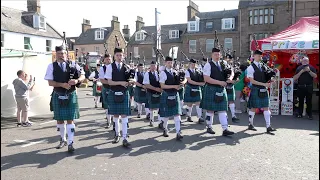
<point>239,87</point>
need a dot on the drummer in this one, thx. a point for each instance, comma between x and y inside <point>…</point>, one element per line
<point>97,86</point>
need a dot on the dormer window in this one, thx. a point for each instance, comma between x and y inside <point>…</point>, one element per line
<point>228,23</point>
<point>209,25</point>
<point>99,35</point>
<point>139,36</point>
<point>173,34</point>
<point>39,22</point>
<point>193,26</point>
<point>42,22</point>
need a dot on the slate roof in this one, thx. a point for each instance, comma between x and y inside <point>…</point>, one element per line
<point>11,21</point>
<point>164,30</point>
<point>256,3</point>
<point>88,37</point>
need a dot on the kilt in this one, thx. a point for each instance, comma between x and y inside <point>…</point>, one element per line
<point>131,91</point>
<point>255,101</point>
<point>94,92</point>
<point>181,94</point>
<point>187,94</point>
<point>69,112</point>
<point>150,104</point>
<point>119,108</point>
<point>209,96</point>
<point>137,97</point>
<point>232,95</point>
<point>165,111</point>
<point>104,94</point>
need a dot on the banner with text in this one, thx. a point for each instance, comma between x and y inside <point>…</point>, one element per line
<point>287,96</point>
<point>277,45</point>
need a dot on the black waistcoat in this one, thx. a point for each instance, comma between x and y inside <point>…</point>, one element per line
<point>153,82</point>
<point>171,80</point>
<point>61,77</point>
<point>194,76</point>
<point>140,77</point>
<point>216,73</point>
<point>258,75</point>
<point>118,76</point>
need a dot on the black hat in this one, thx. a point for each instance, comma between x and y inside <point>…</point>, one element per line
<point>192,61</point>
<point>140,64</point>
<point>215,50</point>
<point>59,48</point>
<point>153,62</point>
<point>98,64</point>
<point>229,56</point>
<point>107,55</point>
<point>118,50</point>
<point>168,58</point>
<point>258,51</point>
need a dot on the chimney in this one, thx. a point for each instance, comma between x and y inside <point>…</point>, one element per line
<point>139,23</point>
<point>126,32</point>
<point>115,24</point>
<point>192,10</point>
<point>33,6</point>
<point>85,25</point>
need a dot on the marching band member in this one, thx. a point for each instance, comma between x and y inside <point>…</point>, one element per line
<point>64,98</point>
<point>151,82</point>
<point>94,76</point>
<point>140,94</point>
<point>215,96</point>
<point>106,87</point>
<point>259,96</point>
<point>169,101</point>
<point>131,90</point>
<point>118,97</point>
<point>193,94</point>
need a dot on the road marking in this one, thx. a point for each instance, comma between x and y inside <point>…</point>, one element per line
<point>47,122</point>
<point>19,141</point>
<point>82,120</point>
<point>33,143</point>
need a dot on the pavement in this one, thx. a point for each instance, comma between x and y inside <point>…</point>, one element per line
<point>292,153</point>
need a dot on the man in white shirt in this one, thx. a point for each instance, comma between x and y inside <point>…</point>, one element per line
<point>140,93</point>
<point>96,88</point>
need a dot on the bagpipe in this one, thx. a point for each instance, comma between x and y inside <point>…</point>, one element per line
<point>73,73</point>
<point>269,72</point>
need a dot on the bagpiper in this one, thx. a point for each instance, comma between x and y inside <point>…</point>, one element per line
<point>140,91</point>
<point>97,85</point>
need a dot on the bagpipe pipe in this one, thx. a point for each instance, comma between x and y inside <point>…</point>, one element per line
<point>73,73</point>
<point>268,71</point>
<point>180,76</point>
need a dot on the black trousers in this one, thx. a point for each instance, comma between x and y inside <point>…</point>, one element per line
<point>305,92</point>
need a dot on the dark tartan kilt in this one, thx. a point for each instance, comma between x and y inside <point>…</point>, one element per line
<point>209,96</point>
<point>232,96</point>
<point>165,111</point>
<point>70,112</point>
<point>94,92</point>
<point>150,104</point>
<point>104,94</point>
<point>181,94</point>
<point>119,108</point>
<point>137,96</point>
<point>187,94</point>
<point>255,101</point>
<point>131,91</point>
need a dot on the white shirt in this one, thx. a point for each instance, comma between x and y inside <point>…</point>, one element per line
<point>146,79</point>
<point>187,74</point>
<point>163,75</point>
<point>162,68</point>
<point>92,75</point>
<point>101,72</point>
<point>49,72</point>
<point>250,69</point>
<point>108,74</point>
<point>207,68</point>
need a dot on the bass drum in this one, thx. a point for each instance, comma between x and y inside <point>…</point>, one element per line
<point>99,87</point>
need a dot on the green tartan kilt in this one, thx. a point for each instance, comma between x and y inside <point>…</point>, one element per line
<point>187,94</point>
<point>150,104</point>
<point>166,111</point>
<point>119,108</point>
<point>137,96</point>
<point>94,92</point>
<point>69,112</point>
<point>181,94</point>
<point>104,94</point>
<point>208,102</point>
<point>255,101</point>
<point>232,95</point>
<point>131,91</point>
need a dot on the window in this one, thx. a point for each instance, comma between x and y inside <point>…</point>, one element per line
<point>260,19</point>
<point>209,45</point>
<point>2,40</point>
<point>260,36</point>
<point>173,34</point>
<point>139,36</point>
<point>48,45</point>
<point>97,49</point>
<point>27,44</point>
<point>256,12</point>
<point>271,16</point>
<point>250,17</point>
<point>228,23</point>
<point>255,19</point>
<point>265,35</point>
<point>42,22</point>
<point>99,35</point>
<point>209,25</point>
<point>266,11</point>
<point>192,46</point>
<point>136,52</point>
<point>228,43</point>
<point>266,18</point>
<point>192,26</point>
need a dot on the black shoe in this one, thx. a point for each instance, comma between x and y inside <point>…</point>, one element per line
<point>201,120</point>
<point>95,106</point>
<point>108,125</point>
<point>227,133</point>
<point>19,124</point>
<point>61,144</point>
<point>189,119</point>
<point>70,147</point>
<point>138,116</point>
<point>165,133</point>
<point>26,124</point>
<point>251,127</point>
<point>125,143</point>
<point>151,124</point>
<point>183,114</point>
<point>270,129</point>
<point>310,117</point>
<point>210,131</point>
<point>235,119</point>
<point>179,136</point>
<point>148,116</point>
<point>160,126</point>
<point>116,139</point>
